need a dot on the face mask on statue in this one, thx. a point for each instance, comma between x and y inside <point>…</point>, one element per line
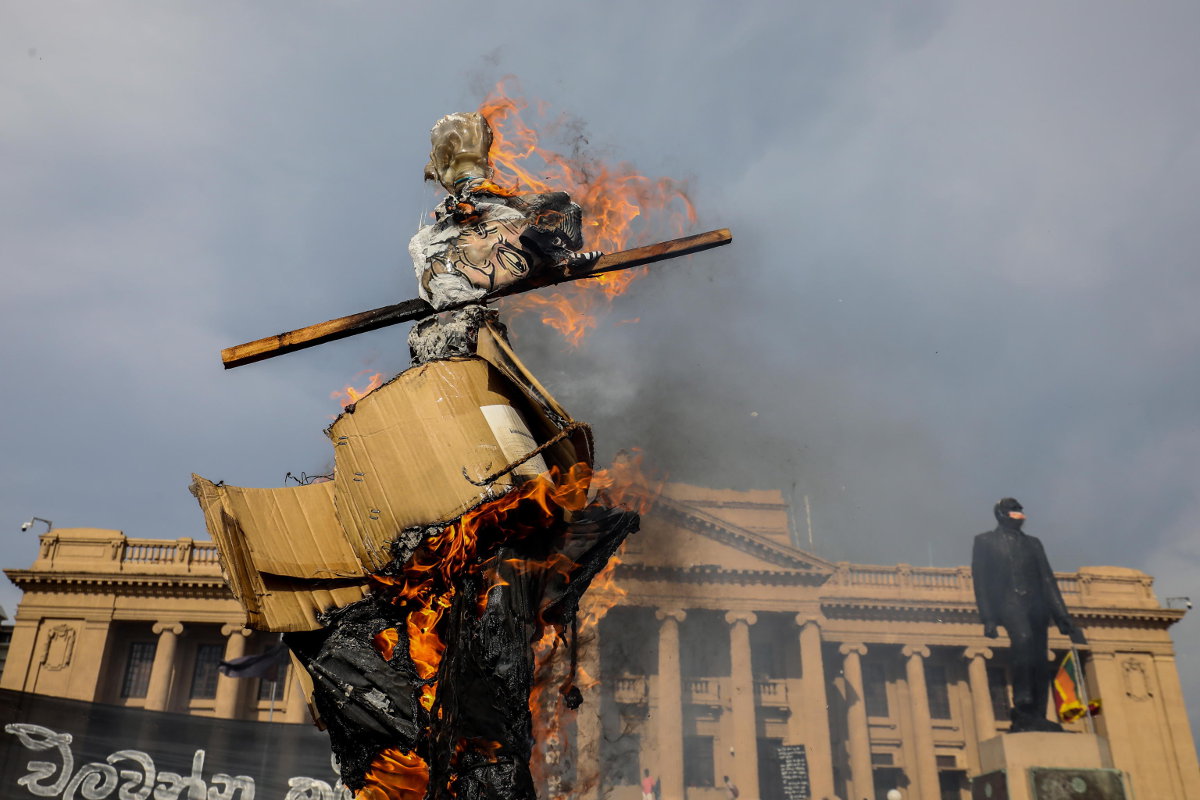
<point>1004,511</point>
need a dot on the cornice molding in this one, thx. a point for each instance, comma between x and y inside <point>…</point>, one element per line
<point>62,579</point>
<point>714,573</point>
<point>935,610</point>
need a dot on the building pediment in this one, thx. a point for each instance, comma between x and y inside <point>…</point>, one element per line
<point>681,538</point>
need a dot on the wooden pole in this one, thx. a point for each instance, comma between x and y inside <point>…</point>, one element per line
<point>364,321</point>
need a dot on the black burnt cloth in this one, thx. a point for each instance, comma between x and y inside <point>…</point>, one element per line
<point>478,737</point>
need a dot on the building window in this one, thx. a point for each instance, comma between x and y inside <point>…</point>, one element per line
<point>703,645</point>
<point>137,669</point>
<point>204,675</point>
<point>938,689</point>
<point>998,688</point>
<point>888,778</point>
<point>875,689</point>
<point>952,783</point>
<point>698,761</point>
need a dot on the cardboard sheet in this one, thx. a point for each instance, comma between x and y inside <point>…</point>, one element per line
<point>405,456</point>
<point>282,552</point>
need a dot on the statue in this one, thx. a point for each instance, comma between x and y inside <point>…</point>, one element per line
<point>1015,587</point>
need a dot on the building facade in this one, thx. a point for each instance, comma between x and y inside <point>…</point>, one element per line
<point>722,642</point>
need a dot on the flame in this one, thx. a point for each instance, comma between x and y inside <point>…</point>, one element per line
<point>621,208</point>
<point>350,395</point>
<point>426,589</point>
<point>385,642</point>
<point>395,775</point>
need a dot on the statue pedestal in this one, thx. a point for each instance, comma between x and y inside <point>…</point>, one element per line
<point>1047,766</point>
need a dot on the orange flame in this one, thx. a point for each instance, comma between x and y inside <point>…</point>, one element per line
<point>621,208</point>
<point>385,642</point>
<point>395,775</point>
<point>349,394</point>
<point>426,588</point>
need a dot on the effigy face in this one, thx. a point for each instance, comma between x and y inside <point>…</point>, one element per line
<point>485,238</point>
<point>488,253</point>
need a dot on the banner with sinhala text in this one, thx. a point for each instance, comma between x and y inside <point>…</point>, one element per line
<point>72,750</point>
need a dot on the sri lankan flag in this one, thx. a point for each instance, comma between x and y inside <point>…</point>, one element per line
<point>1066,690</point>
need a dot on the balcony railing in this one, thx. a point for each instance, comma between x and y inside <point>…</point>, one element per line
<point>771,693</point>
<point>702,691</point>
<point>630,690</point>
<point>106,551</point>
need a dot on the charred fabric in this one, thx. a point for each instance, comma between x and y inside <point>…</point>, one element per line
<point>476,736</point>
<point>461,524</point>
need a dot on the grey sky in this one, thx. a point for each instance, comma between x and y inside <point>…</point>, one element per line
<point>963,267</point>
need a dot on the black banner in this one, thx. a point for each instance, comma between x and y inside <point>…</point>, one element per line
<point>793,768</point>
<point>72,750</point>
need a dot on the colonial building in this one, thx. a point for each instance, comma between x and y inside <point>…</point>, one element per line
<point>724,641</point>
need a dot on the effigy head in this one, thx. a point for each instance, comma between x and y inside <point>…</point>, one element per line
<point>460,149</point>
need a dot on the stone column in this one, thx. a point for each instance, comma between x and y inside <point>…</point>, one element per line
<point>815,709</point>
<point>228,688</point>
<point>862,783</point>
<point>918,692</point>
<point>162,671</point>
<point>670,704</point>
<point>981,695</point>
<point>745,726</point>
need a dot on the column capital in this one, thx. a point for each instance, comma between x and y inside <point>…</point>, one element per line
<point>748,617</point>
<point>910,650</point>
<point>805,619</point>
<point>858,648</point>
<point>677,614</point>
<point>230,628</point>
<point>978,651</point>
<point>167,627</point>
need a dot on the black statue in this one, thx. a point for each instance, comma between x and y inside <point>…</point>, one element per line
<point>1015,587</point>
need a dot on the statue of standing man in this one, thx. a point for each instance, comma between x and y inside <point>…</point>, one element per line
<point>1015,587</point>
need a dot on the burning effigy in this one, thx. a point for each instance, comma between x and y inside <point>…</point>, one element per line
<point>464,519</point>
